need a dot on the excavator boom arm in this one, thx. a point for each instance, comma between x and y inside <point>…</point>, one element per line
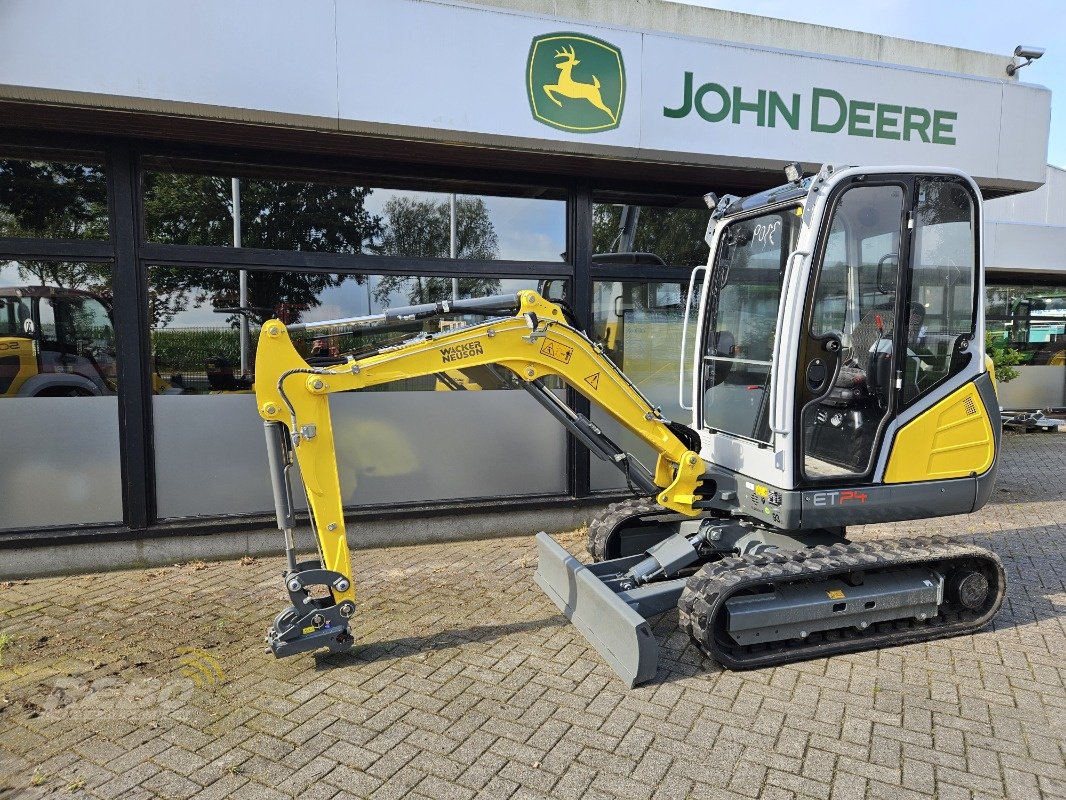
<point>533,344</point>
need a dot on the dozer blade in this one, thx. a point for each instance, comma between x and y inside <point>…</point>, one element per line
<point>621,635</point>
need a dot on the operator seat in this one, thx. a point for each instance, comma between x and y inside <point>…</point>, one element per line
<point>863,368</point>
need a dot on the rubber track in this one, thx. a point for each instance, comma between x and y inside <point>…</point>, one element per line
<point>706,592</point>
<point>608,521</point>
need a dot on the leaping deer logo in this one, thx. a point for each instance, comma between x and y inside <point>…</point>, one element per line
<point>575,90</point>
<point>589,100</point>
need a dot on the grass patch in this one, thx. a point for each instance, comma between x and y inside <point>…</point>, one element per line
<point>5,642</point>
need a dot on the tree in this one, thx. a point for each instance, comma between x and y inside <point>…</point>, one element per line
<point>1004,358</point>
<point>52,200</point>
<point>56,200</point>
<point>276,215</point>
<point>673,234</point>
<point>91,277</point>
<point>61,200</point>
<point>421,229</point>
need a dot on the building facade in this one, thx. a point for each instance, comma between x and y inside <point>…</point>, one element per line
<point>168,181</point>
<point>1025,263</point>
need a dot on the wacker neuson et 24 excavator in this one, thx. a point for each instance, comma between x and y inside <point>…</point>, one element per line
<point>836,376</point>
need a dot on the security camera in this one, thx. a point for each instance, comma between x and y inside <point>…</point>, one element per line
<point>1030,54</point>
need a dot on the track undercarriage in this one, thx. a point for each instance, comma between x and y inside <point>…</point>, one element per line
<point>753,597</point>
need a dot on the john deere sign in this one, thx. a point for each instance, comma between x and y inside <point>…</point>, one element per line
<point>575,82</point>
<point>520,83</point>
<point>830,112</point>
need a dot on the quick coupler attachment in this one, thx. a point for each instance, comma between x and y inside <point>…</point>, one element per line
<point>609,602</point>
<point>310,622</point>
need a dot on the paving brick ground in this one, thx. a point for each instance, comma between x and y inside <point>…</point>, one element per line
<point>466,682</point>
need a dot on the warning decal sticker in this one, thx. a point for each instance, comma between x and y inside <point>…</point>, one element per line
<point>593,380</point>
<point>557,350</point>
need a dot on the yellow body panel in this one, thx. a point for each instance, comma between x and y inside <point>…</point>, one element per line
<point>26,350</point>
<point>990,365</point>
<point>952,439</point>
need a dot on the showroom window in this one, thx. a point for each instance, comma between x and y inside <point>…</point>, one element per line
<point>406,441</point>
<point>638,321</point>
<point>196,324</point>
<point>662,235</point>
<point>52,196</point>
<point>1029,319</point>
<point>359,245</point>
<point>314,244</point>
<point>338,215</point>
<point>58,408</point>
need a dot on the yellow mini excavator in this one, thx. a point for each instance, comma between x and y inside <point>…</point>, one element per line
<point>835,375</point>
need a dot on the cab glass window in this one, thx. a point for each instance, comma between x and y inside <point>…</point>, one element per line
<point>942,301</point>
<point>854,303</point>
<point>745,294</point>
<point>831,302</point>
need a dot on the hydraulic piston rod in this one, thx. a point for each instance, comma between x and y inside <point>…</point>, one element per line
<point>496,304</point>
<point>598,443</point>
<point>278,461</point>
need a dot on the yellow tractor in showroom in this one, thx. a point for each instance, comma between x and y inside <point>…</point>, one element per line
<point>55,342</point>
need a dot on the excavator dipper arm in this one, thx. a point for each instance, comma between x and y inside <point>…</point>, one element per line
<point>533,343</point>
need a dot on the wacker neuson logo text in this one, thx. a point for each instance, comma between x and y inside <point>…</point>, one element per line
<point>823,111</point>
<point>461,351</point>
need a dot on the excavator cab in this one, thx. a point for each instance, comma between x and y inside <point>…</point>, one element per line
<point>837,311</point>
<point>55,342</point>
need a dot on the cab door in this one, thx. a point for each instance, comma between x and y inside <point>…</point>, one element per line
<point>892,322</point>
<point>846,381</point>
